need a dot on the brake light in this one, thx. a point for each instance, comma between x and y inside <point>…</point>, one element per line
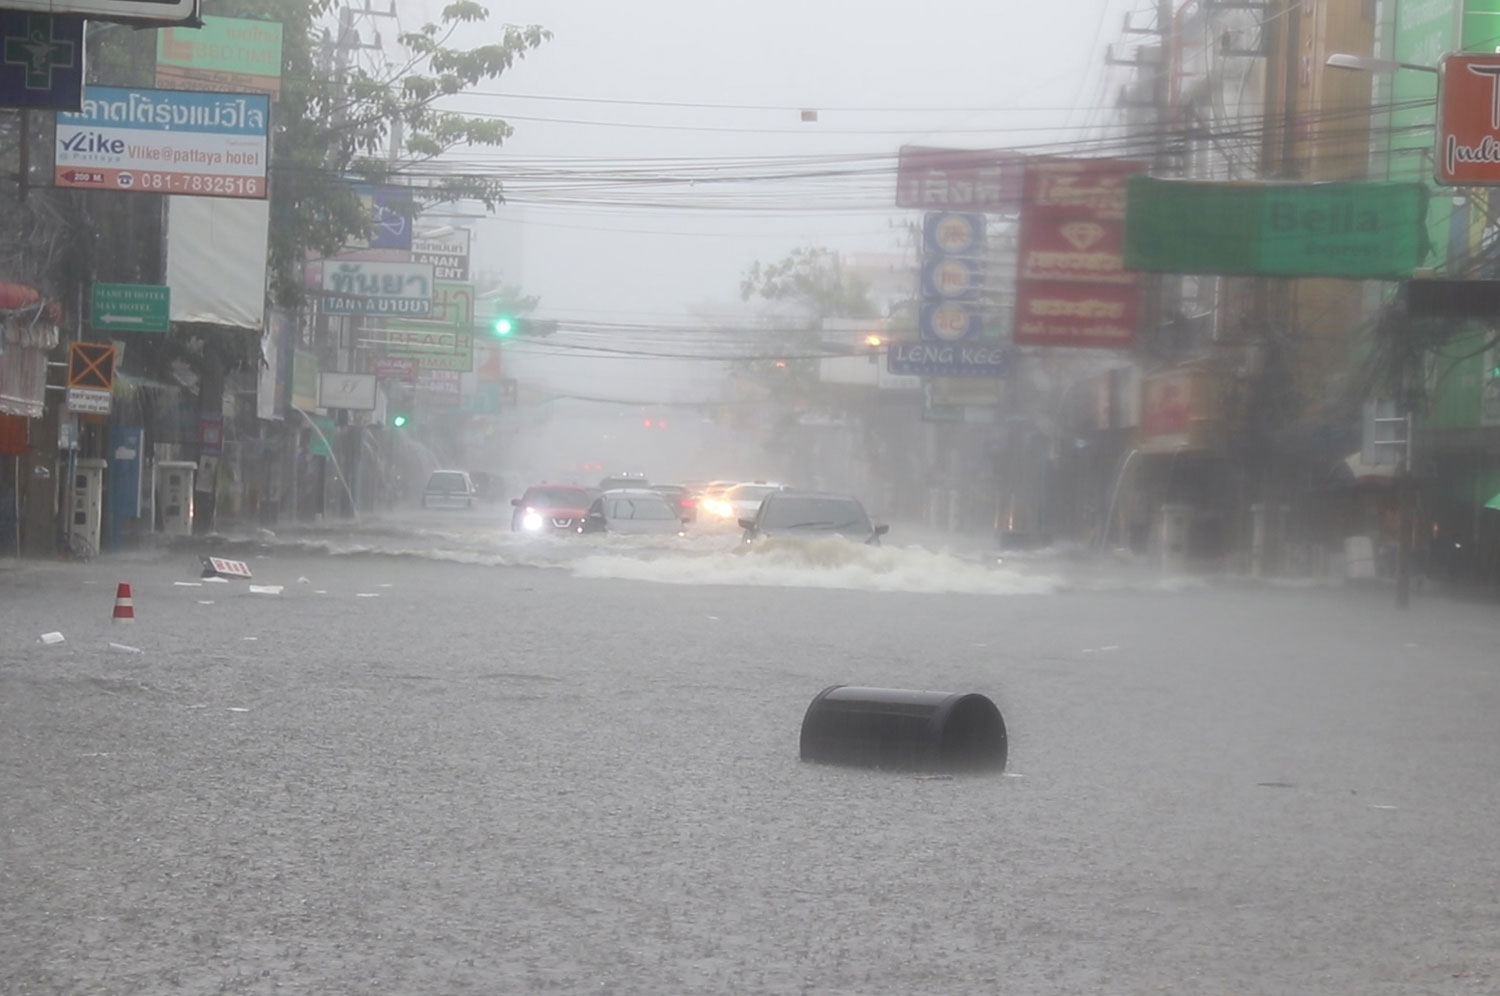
<point>686,503</point>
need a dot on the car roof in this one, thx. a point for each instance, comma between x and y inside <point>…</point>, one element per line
<point>637,492</point>
<point>793,493</point>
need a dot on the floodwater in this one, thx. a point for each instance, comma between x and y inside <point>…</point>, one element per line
<point>449,759</point>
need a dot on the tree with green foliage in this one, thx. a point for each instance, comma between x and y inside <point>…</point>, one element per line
<point>814,283</point>
<point>804,288</point>
<point>336,119</point>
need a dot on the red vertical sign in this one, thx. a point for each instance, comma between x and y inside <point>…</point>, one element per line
<point>1072,288</point>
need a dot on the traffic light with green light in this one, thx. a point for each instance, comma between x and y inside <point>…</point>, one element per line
<point>508,327</point>
<point>400,421</point>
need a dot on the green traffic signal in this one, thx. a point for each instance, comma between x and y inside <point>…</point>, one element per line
<point>399,421</point>
<point>504,326</point>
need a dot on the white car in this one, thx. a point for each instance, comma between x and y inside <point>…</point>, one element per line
<point>449,489</point>
<point>743,500</point>
<point>632,511</point>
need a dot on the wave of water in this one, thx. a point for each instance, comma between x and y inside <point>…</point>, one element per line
<point>717,558</point>
<point>824,563</point>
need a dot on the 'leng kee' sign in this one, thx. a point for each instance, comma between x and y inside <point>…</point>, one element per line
<point>165,142</point>
<point>359,287</point>
<point>948,359</point>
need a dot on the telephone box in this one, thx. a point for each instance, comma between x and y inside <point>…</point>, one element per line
<point>174,496</point>
<point>86,503</point>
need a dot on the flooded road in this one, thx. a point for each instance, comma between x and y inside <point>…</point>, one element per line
<point>443,760</point>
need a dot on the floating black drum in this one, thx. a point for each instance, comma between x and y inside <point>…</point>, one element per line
<point>904,730</point>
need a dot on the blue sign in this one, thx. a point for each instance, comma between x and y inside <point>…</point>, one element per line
<point>41,61</point>
<point>946,233</point>
<point>125,444</point>
<point>951,278</point>
<point>949,321</point>
<point>942,359</point>
<point>391,213</point>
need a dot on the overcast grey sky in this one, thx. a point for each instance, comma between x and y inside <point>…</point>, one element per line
<point>986,74</point>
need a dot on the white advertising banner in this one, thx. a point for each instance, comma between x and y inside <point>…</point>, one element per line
<point>216,260</point>
<point>346,390</point>
<point>166,142</point>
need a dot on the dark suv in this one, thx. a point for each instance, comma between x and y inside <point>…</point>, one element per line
<point>786,514</point>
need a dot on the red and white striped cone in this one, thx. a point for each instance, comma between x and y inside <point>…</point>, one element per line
<point>124,606</point>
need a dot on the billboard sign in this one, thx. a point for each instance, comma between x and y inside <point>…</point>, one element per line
<point>41,61</point>
<point>448,328</point>
<point>367,287</point>
<point>130,308</point>
<point>142,11</point>
<point>396,368</point>
<point>390,210</point>
<point>448,254</point>
<point>227,53</point>
<point>949,321</point>
<point>353,391</point>
<point>165,142</point>
<point>979,180</point>
<point>950,233</point>
<point>1355,230</point>
<point>948,359</point>
<point>1468,127</point>
<point>1072,288</point>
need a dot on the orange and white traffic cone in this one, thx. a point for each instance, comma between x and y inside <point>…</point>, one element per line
<point>124,606</point>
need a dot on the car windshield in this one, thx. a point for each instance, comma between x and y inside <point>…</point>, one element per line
<point>641,507</point>
<point>798,512</point>
<point>557,497</point>
<point>447,480</point>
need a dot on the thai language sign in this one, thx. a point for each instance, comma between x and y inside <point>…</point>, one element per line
<point>365,287</point>
<point>1355,230</point>
<point>980,180</point>
<point>166,142</point>
<point>1072,288</point>
<point>448,254</point>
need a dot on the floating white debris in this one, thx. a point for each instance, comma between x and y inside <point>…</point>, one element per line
<point>188,584</point>
<point>122,648</point>
<point>385,586</point>
<point>205,601</point>
<point>265,589</point>
<point>215,580</point>
<point>1373,806</point>
<point>238,709</point>
<point>50,638</point>
<point>249,638</point>
<point>303,581</point>
<point>367,594</point>
<point>321,591</point>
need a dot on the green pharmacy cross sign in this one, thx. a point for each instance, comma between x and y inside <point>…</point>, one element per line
<point>41,61</point>
<point>131,308</point>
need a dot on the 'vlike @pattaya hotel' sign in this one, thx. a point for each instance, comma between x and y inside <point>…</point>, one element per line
<point>166,142</point>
